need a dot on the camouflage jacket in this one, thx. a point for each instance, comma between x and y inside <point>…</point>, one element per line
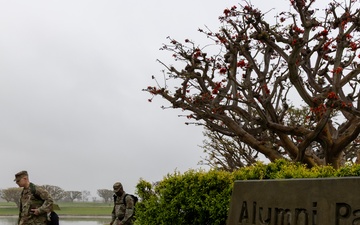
<point>41,200</point>
<point>121,211</point>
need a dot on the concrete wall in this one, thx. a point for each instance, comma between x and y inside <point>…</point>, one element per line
<point>326,201</point>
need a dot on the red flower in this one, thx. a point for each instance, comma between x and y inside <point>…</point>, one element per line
<point>241,63</point>
<point>332,95</point>
<point>353,46</point>
<point>216,88</point>
<point>324,32</point>
<point>223,70</point>
<point>320,109</point>
<point>197,54</point>
<point>326,45</point>
<point>227,12</point>
<point>248,8</point>
<point>338,70</point>
<point>221,39</point>
<point>298,30</point>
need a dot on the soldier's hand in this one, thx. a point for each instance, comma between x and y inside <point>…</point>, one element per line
<point>35,211</point>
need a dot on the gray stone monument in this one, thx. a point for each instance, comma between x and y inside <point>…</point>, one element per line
<point>322,201</point>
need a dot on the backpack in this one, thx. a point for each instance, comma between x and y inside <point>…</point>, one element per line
<point>53,218</point>
<point>135,199</point>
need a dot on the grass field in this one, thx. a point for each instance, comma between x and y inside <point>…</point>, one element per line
<point>67,208</point>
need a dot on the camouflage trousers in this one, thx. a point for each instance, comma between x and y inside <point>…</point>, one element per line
<point>38,220</point>
<point>117,222</point>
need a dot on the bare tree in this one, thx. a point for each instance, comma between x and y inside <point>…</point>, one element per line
<point>72,195</point>
<point>226,153</point>
<point>11,195</point>
<point>85,195</point>
<point>56,192</point>
<point>245,89</point>
<point>229,153</point>
<point>105,194</point>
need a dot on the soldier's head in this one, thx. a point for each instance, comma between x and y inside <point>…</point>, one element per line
<point>118,188</point>
<point>22,178</point>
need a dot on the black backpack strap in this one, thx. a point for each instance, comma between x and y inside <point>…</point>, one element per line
<point>115,197</point>
<point>33,192</point>
<point>124,199</point>
<point>20,206</point>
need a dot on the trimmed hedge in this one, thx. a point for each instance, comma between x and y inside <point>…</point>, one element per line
<point>200,197</point>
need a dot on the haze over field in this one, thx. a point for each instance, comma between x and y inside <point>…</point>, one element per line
<point>72,110</point>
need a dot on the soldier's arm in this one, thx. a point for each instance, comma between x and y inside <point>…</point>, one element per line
<point>48,201</point>
<point>129,211</point>
<point>113,216</point>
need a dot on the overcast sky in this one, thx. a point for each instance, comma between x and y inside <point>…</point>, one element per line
<point>72,110</point>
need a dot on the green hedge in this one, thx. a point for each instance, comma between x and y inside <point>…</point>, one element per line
<point>203,197</point>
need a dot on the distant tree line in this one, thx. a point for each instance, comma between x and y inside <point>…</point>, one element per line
<point>58,194</point>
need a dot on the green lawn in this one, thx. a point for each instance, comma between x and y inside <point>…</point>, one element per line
<point>67,208</point>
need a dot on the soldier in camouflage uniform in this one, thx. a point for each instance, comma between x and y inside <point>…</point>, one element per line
<point>123,212</point>
<point>33,211</point>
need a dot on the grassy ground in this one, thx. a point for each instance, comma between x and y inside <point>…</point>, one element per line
<point>67,208</point>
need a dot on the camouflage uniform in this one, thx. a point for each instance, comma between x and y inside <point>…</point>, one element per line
<point>28,201</point>
<point>122,213</point>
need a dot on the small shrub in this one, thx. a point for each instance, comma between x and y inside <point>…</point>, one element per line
<point>203,197</point>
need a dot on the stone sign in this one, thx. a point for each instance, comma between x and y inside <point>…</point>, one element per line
<point>323,201</point>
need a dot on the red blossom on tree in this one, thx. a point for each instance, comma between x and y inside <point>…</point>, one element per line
<point>227,12</point>
<point>249,91</point>
<point>197,53</point>
<point>332,95</point>
<point>324,32</point>
<point>298,30</point>
<point>338,70</point>
<point>223,70</point>
<point>353,46</point>
<point>241,63</point>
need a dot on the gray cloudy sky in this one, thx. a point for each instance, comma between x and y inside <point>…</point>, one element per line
<point>72,110</point>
